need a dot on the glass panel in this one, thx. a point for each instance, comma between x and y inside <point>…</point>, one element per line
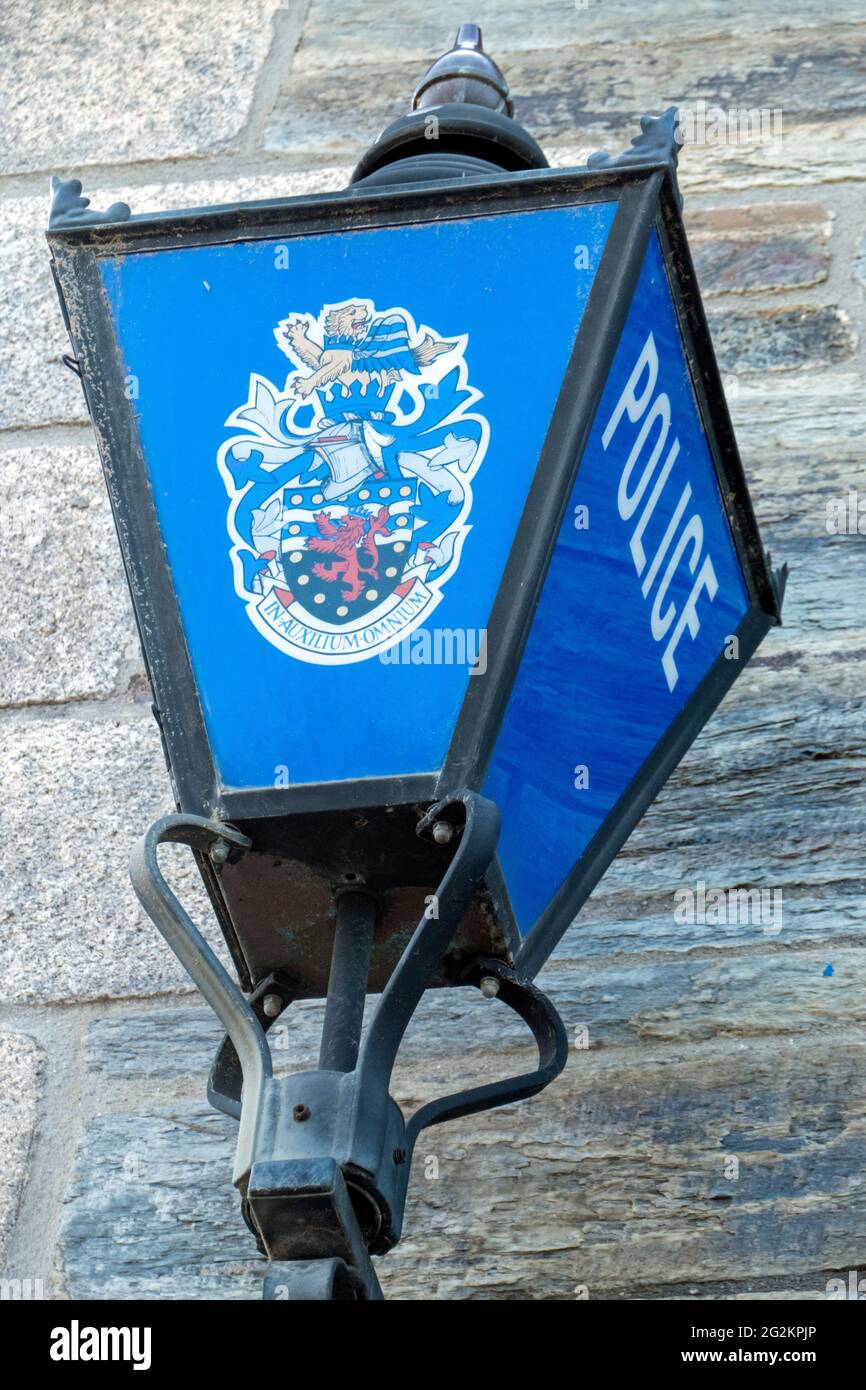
<point>643,592</point>
<point>340,431</point>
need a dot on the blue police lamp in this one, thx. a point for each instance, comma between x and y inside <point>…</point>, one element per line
<point>441,554</point>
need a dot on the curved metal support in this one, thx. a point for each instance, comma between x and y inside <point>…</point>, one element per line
<point>477,820</point>
<point>313,1145</point>
<point>550,1036</point>
<point>225,1082</point>
<point>223,843</point>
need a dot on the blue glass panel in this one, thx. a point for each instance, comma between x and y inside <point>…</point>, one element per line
<point>340,431</point>
<point>643,590</point>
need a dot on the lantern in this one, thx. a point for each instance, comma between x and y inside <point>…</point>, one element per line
<point>441,554</point>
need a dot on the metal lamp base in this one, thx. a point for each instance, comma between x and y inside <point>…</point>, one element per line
<point>323,1157</point>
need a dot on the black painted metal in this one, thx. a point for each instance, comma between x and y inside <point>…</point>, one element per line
<point>474,140</point>
<point>69,209</point>
<point>323,1157</point>
<point>476,821</point>
<point>657,143</point>
<point>303,1209</point>
<point>460,125</point>
<point>465,73</point>
<point>221,843</point>
<point>347,984</point>
<point>226,1076</point>
<point>547,1028</point>
<point>308,1281</point>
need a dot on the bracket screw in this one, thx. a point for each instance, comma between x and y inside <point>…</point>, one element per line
<point>489,986</point>
<point>442,832</point>
<point>220,851</point>
<point>300,1113</point>
<point>272,1005</point>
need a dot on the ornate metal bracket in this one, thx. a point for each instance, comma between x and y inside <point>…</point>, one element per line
<point>547,1029</point>
<point>656,144</point>
<point>779,580</point>
<point>221,843</point>
<point>323,1157</point>
<point>70,209</point>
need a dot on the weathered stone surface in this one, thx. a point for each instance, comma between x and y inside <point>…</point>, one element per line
<point>616,1178</point>
<point>597,90</point>
<point>20,1089</point>
<point>807,156</point>
<point>77,792</point>
<point>98,83</point>
<point>68,630</point>
<point>755,221</point>
<point>792,412</point>
<point>340,36</point>
<point>619,1177</point>
<point>778,989</point>
<point>735,266</point>
<point>781,339</point>
<point>160,1043</point>
<point>860,263</point>
<point>37,387</point>
<point>152,1212</point>
<point>766,246</point>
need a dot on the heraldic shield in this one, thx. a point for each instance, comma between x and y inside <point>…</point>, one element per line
<point>351,487</point>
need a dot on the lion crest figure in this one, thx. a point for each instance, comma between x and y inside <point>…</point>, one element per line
<point>358,347</point>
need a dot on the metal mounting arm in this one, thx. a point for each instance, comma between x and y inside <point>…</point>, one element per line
<point>323,1157</point>
<point>547,1029</point>
<point>223,843</point>
<point>433,935</point>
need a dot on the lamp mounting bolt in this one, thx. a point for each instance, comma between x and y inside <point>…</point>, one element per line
<point>220,851</point>
<point>272,1005</point>
<point>489,986</point>
<point>442,832</point>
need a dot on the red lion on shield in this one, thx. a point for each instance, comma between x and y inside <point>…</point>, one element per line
<point>349,540</point>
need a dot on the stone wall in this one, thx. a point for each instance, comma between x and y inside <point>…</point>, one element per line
<point>705,1044</point>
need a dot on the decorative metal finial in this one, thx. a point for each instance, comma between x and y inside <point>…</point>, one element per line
<point>657,143</point>
<point>69,209</point>
<point>464,73</point>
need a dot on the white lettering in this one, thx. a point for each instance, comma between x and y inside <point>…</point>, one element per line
<point>647,362</point>
<point>692,534</point>
<point>651,412</point>
<point>661,410</point>
<point>689,618</point>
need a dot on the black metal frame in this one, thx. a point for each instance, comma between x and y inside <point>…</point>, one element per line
<point>323,1158</point>
<point>643,181</point>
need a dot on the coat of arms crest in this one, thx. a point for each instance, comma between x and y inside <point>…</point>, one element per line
<point>350,488</point>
